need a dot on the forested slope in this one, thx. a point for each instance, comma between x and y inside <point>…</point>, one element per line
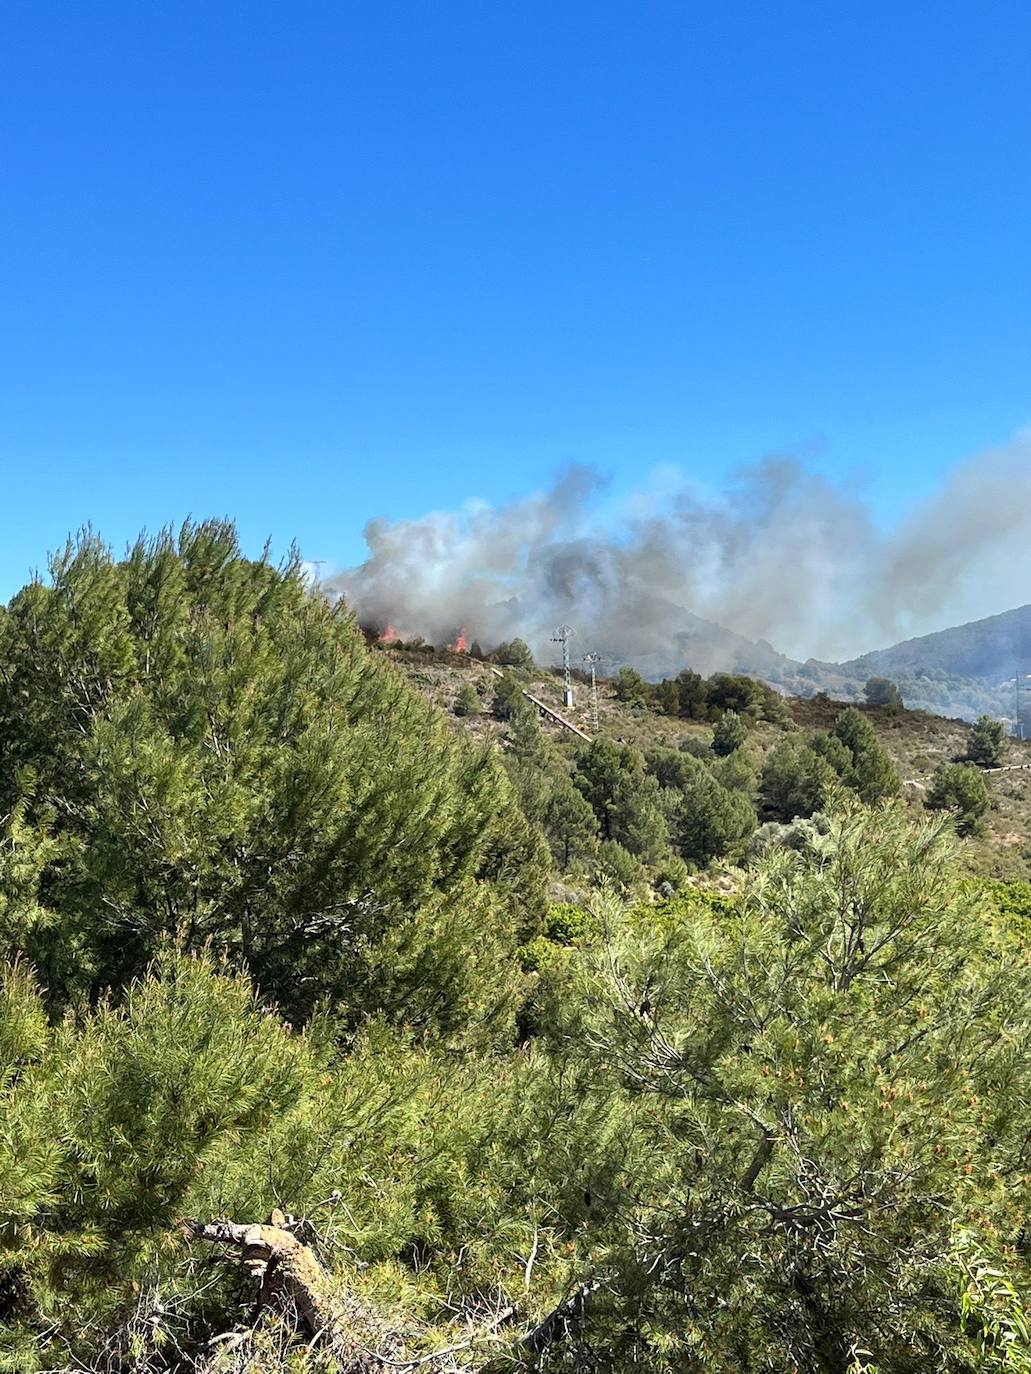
<point>535,1055</point>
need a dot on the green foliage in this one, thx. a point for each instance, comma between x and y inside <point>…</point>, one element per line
<point>1012,900</point>
<point>692,695</point>
<point>822,1066</point>
<point>869,771</point>
<point>795,781</point>
<point>467,702</point>
<point>705,818</point>
<point>799,775</point>
<point>623,797</point>
<point>987,744</point>
<point>781,1128</point>
<point>730,733</point>
<point>569,823</point>
<point>881,691</point>
<point>567,924</point>
<point>962,789</point>
<point>514,653</point>
<point>508,702</point>
<point>737,772</point>
<point>190,1100</point>
<point>193,745</point>
<point>733,692</point>
<point>630,687</point>
<point>620,867</point>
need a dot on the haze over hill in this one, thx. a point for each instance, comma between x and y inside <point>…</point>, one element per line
<point>992,648</point>
<point>678,576</point>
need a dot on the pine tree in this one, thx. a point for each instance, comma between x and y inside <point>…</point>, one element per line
<point>871,773</point>
<point>730,733</point>
<point>509,702</point>
<point>569,823</point>
<point>630,687</point>
<point>962,789</point>
<point>795,781</point>
<point>624,798</point>
<point>818,1064</point>
<point>987,744</point>
<point>219,759</point>
<point>467,702</point>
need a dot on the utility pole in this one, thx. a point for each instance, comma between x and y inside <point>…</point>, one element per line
<point>562,636</point>
<point>1018,729</point>
<point>592,659</point>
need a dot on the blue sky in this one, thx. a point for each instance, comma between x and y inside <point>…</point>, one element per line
<point>308,263</point>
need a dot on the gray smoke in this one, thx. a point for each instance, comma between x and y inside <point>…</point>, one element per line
<point>781,555</point>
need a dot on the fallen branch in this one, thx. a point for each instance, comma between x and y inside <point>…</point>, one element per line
<point>294,1284</point>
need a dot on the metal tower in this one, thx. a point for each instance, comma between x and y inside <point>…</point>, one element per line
<point>1022,688</point>
<point>562,636</point>
<point>593,660</point>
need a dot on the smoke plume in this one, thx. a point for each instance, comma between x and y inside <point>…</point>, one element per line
<point>781,554</point>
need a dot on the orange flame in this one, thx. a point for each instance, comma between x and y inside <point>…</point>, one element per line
<point>388,635</point>
<point>460,644</point>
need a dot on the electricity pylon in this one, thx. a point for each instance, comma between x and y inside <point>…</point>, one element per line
<point>593,659</point>
<point>562,636</point>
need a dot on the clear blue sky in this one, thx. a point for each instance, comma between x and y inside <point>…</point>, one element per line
<point>303,263</point>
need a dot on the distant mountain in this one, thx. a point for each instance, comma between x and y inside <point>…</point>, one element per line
<point>960,672</point>
<point>992,649</point>
<point>963,671</point>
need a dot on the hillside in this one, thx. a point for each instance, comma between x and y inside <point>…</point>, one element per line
<point>991,649</point>
<point>486,1035</point>
<point>916,740</point>
<point>965,671</point>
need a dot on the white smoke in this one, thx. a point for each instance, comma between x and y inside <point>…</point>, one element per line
<point>780,554</point>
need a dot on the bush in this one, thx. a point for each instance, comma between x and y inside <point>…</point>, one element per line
<point>795,781</point>
<point>881,691</point>
<point>467,702</point>
<point>624,798</point>
<point>962,789</point>
<point>569,822</point>
<point>730,733</point>
<point>987,744</point>
<point>820,1070</point>
<point>630,688</point>
<point>623,869</point>
<point>514,653</point>
<point>734,692</point>
<point>212,753</point>
<point>567,924</point>
<point>869,770</point>
<point>508,701</point>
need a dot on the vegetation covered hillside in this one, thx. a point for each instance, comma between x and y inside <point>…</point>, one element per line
<point>918,743</point>
<point>335,1037</point>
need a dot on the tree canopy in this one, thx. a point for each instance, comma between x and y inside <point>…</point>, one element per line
<point>196,747</point>
<point>555,1063</point>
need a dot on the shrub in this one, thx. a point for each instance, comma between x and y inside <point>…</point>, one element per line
<point>869,770</point>
<point>962,789</point>
<point>730,733</point>
<point>212,753</point>
<point>795,781</point>
<point>987,744</point>
<point>881,691</point>
<point>630,687</point>
<point>467,702</point>
<point>514,653</point>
